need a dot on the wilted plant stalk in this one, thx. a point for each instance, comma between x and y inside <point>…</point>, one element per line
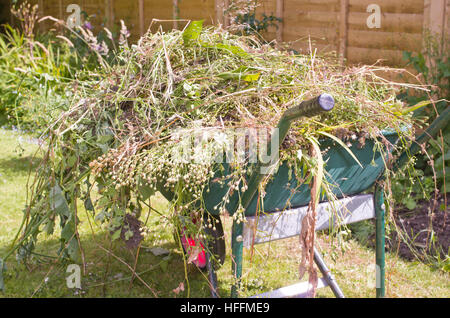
<point>28,17</point>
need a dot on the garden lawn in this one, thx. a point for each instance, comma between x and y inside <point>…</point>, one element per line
<point>108,270</point>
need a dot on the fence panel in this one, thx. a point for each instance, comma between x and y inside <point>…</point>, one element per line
<point>348,27</point>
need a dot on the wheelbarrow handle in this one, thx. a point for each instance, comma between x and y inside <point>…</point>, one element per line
<point>310,108</point>
<point>431,132</point>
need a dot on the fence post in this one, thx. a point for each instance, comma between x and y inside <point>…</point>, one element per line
<point>141,18</point>
<point>175,13</point>
<point>226,18</point>
<point>434,20</point>
<point>109,9</point>
<point>219,11</point>
<point>343,30</point>
<point>60,10</point>
<point>280,14</point>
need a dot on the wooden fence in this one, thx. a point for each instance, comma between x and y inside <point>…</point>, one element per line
<point>355,29</point>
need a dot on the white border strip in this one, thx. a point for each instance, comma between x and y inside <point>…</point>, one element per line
<point>280,225</point>
<point>299,290</point>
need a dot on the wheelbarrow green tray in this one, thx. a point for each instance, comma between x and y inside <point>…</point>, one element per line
<point>344,174</point>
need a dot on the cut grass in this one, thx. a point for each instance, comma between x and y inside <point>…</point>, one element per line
<point>272,266</point>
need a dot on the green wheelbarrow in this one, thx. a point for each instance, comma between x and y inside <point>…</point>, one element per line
<point>285,202</point>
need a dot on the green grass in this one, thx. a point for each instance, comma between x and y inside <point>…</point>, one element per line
<point>272,265</point>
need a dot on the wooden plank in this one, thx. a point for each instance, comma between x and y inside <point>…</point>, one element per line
<point>357,55</point>
<point>128,12</point>
<point>41,7</point>
<point>268,7</point>
<point>196,10</point>
<point>388,6</point>
<point>321,49</point>
<point>343,30</point>
<point>280,225</point>
<point>320,35</point>
<point>385,40</point>
<point>295,6</point>
<point>312,19</point>
<point>156,9</point>
<point>394,22</point>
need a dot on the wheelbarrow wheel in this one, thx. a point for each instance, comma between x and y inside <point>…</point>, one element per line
<point>216,246</point>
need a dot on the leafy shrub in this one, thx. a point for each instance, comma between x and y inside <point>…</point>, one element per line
<point>242,14</point>
<point>33,79</point>
<point>416,181</point>
<point>40,73</point>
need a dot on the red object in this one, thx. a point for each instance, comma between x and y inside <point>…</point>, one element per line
<point>190,245</point>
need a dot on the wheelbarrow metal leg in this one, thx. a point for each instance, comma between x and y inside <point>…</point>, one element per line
<point>237,245</point>
<point>211,275</point>
<point>380,241</point>
<point>329,278</point>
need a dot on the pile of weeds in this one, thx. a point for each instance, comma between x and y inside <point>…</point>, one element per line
<point>116,144</point>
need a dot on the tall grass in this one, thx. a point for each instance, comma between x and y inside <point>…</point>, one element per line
<point>39,72</point>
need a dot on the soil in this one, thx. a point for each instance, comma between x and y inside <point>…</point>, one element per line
<point>133,224</point>
<point>416,225</point>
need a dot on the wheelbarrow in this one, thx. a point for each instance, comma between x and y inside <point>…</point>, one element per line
<point>350,179</point>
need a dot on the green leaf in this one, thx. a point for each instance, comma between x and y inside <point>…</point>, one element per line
<point>88,205</point>
<point>58,202</point>
<point>68,231</point>
<point>440,172</point>
<point>128,234</point>
<point>69,241</point>
<point>104,139</point>
<point>230,48</point>
<point>241,74</point>
<point>319,173</point>
<point>49,227</point>
<point>407,56</point>
<point>71,161</point>
<point>145,191</point>
<point>240,77</point>
<point>410,203</point>
<point>192,32</point>
<point>417,106</point>
<point>73,250</point>
<point>164,265</point>
<point>116,235</point>
<point>340,142</point>
<point>251,77</point>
